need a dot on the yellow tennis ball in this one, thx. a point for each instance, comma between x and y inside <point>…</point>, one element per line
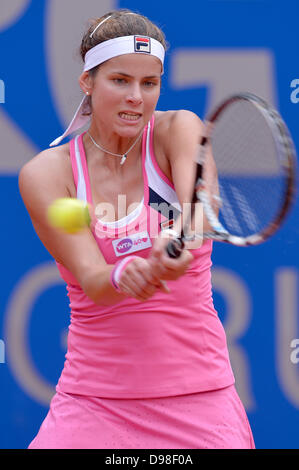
<point>69,214</point>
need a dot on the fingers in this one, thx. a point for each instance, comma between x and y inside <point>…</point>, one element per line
<point>136,288</point>
<point>164,287</point>
<point>159,247</point>
<point>142,277</point>
<point>165,267</point>
<point>137,280</point>
<point>152,278</point>
<point>176,267</point>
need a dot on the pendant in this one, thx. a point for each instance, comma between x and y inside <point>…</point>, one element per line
<point>123,159</point>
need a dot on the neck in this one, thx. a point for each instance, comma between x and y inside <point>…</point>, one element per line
<point>114,154</point>
<point>113,144</point>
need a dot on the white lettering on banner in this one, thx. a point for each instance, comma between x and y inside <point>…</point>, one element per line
<point>2,92</point>
<point>16,148</point>
<point>287,319</point>
<point>2,352</point>
<point>17,317</point>
<point>230,286</point>
<point>224,72</point>
<point>294,356</point>
<point>295,93</point>
<point>238,306</point>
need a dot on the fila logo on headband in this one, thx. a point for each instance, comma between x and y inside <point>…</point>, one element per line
<point>142,44</point>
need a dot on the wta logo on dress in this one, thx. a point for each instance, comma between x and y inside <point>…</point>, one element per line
<point>142,44</point>
<point>135,242</point>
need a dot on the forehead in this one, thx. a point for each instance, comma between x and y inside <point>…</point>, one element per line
<point>134,64</point>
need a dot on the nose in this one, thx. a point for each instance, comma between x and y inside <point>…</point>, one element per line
<point>135,96</point>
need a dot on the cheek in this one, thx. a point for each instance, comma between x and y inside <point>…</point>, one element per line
<point>151,100</point>
<point>105,97</point>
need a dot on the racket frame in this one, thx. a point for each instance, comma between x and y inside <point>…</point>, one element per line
<point>285,150</point>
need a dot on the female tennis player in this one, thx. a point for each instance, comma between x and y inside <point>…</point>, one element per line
<point>147,364</point>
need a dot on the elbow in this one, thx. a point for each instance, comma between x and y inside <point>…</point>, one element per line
<point>98,288</point>
<point>93,287</point>
<point>104,297</point>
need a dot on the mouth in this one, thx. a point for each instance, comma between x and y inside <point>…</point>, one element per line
<point>129,116</point>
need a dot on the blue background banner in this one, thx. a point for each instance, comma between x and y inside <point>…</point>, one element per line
<point>217,47</point>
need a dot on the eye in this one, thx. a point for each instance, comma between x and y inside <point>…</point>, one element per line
<point>119,81</point>
<point>150,83</point>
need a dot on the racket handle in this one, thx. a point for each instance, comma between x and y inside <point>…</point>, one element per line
<point>175,248</point>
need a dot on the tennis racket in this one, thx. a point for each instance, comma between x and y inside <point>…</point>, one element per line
<point>255,162</point>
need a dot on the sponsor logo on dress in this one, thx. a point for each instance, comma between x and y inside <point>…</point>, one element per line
<point>132,243</point>
<point>167,224</point>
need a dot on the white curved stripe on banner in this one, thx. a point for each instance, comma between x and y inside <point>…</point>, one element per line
<point>66,22</point>
<point>16,147</point>
<point>16,329</point>
<point>11,11</point>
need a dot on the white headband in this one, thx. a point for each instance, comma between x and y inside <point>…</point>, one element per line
<point>104,51</point>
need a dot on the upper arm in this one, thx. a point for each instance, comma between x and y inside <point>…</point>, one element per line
<point>181,142</point>
<point>41,181</point>
<point>185,130</point>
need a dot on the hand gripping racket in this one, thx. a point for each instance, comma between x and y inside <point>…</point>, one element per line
<point>255,162</point>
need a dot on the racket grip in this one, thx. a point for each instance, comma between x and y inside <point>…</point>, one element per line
<point>175,248</point>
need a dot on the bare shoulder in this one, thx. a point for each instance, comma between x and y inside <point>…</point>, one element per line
<point>51,168</point>
<point>50,160</point>
<point>176,119</point>
<point>174,127</point>
<point>175,130</point>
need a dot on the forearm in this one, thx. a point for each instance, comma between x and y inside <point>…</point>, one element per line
<point>97,286</point>
<point>132,276</point>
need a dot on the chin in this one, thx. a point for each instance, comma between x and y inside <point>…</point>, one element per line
<point>130,130</point>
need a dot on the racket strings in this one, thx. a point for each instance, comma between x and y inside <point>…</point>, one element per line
<point>250,174</point>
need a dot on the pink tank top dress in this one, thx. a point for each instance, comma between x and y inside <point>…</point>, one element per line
<point>152,374</point>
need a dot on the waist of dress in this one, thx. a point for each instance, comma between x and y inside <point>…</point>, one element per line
<point>162,348</point>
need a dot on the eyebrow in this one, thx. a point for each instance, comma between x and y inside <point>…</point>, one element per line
<point>131,76</point>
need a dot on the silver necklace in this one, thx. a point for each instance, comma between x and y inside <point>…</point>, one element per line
<point>122,156</point>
